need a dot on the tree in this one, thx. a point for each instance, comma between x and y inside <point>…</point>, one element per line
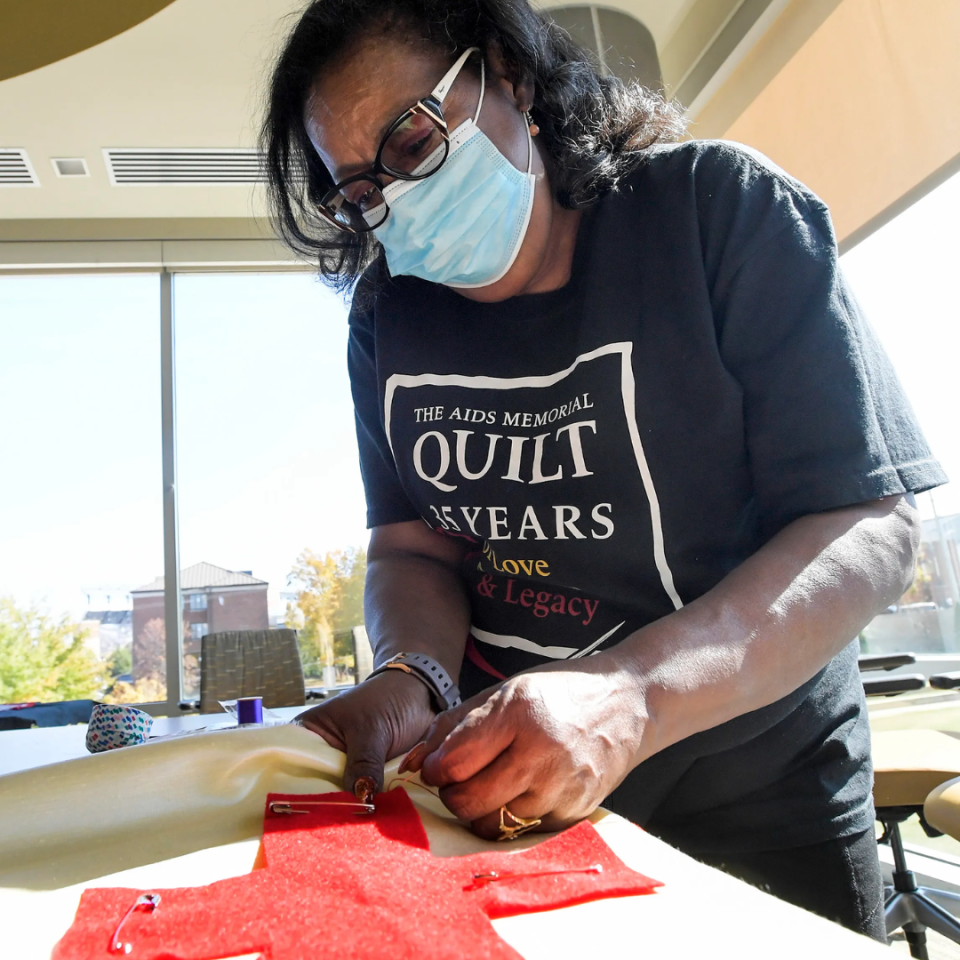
<point>120,661</point>
<point>145,690</point>
<point>329,602</point>
<point>150,651</point>
<point>45,659</point>
<point>921,590</point>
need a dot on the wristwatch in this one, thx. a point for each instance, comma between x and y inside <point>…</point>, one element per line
<point>445,692</point>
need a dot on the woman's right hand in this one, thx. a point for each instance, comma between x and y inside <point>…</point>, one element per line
<point>376,721</point>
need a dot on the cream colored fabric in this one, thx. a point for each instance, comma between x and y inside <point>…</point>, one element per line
<point>908,764</point>
<point>73,821</point>
<point>200,799</point>
<point>70,822</point>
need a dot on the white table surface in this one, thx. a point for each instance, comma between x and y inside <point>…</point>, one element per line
<point>38,746</point>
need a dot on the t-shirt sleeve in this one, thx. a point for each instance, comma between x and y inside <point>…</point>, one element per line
<point>827,422</point>
<point>386,500</point>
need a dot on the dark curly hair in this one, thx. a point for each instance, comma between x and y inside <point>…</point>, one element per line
<point>594,128</point>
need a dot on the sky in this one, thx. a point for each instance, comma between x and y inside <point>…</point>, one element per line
<point>267,457</point>
<point>905,279</point>
<point>267,461</point>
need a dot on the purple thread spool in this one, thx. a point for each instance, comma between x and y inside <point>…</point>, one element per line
<point>250,710</point>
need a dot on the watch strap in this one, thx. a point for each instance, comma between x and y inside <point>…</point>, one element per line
<point>445,692</point>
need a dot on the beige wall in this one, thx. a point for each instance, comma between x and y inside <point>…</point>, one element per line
<point>868,108</point>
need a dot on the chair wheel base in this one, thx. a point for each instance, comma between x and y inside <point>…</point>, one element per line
<point>917,941</point>
<point>907,906</point>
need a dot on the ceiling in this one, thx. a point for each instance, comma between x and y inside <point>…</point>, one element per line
<point>189,76</point>
<point>875,131</point>
<point>38,32</point>
<point>813,83</point>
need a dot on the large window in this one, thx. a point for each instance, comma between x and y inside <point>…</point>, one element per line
<point>904,277</point>
<point>271,513</point>
<point>80,493</point>
<point>272,516</point>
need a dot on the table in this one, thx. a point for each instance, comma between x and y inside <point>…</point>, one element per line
<point>68,826</point>
<point>37,746</point>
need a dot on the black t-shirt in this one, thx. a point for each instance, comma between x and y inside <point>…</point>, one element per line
<point>611,450</point>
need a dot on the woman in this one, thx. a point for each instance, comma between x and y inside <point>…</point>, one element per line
<point>665,469</point>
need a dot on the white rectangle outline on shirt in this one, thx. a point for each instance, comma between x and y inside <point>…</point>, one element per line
<point>522,643</point>
<point>628,393</point>
<point>528,646</point>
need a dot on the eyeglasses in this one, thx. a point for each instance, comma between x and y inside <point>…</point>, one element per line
<point>414,147</point>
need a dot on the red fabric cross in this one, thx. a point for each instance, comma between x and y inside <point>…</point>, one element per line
<point>338,884</point>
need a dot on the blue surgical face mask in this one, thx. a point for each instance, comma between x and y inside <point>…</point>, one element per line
<point>464,225</point>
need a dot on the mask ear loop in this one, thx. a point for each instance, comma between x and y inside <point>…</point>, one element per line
<point>529,149</point>
<point>483,87</point>
<point>476,116</point>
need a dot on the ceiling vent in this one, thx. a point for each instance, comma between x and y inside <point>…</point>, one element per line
<point>16,169</point>
<point>70,167</point>
<point>165,166</point>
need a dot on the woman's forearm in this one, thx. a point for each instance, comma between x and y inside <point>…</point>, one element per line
<point>415,600</point>
<point>417,605</point>
<point>770,625</point>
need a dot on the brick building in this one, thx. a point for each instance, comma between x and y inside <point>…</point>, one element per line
<point>214,599</point>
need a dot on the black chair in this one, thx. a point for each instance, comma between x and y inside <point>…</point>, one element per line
<point>16,723</point>
<point>58,714</point>
<point>249,663</point>
<point>889,686</point>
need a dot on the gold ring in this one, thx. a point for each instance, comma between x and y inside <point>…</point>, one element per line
<point>519,826</point>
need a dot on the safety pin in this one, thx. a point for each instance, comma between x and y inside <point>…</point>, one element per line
<point>149,900</point>
<point>479,879</point>
<point>287,806</point>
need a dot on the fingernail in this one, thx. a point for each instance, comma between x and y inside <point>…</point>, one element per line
<point>364,789</point>
<point>412,757</point>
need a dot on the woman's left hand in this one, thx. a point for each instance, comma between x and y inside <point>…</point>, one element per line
<point>550,744</point>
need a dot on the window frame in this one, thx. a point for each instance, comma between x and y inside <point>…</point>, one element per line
<point>173,594</point>
<point>166,258</point>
